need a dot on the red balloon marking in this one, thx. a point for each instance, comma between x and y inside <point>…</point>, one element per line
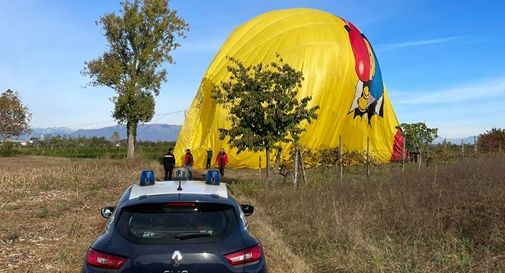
<point>360,51</point>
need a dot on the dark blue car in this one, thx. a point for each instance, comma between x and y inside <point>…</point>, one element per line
<point>176,227</point>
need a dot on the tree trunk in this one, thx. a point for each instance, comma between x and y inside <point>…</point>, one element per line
<point>131,132</point>
<point>268,161</point>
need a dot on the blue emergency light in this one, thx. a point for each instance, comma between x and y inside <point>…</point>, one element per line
<point>147,178</point>
<point>213,177</point>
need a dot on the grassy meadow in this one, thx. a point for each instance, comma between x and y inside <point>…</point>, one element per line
<point>447,217</point>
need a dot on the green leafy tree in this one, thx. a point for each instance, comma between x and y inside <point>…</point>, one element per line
<point>492,140</point>
<point>14,116</point>
<point>418,136</point>
<point>140,40</point>
<point>262,104</point>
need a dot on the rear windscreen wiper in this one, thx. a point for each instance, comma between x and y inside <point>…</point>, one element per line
<point>184,236</point>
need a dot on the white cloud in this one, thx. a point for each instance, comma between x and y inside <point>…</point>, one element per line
<point>488,89</point>
<point>418,43</point>
<point>458,111</point>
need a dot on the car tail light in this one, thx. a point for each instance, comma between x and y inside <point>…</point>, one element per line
<point>245,256</point>
<point>104,260</point>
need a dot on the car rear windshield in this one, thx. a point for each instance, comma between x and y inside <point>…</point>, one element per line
<point>176,222</point>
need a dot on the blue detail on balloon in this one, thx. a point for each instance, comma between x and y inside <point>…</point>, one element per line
<point>376,84</point>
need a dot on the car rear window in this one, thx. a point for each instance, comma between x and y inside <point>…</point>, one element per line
<point>176,222</point>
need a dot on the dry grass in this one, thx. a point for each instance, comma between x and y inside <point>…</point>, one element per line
<point>50,209</point>
<point>453,221</point>
<point>449,221</point>
<point>50,212</point>
<point>33,161</point>
<point>278,253</point>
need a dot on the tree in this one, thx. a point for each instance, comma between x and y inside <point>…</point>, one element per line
<point>262,104</point>
<point>140,40</point>
<point>492,140</point>
<point>418,136</point>
<point>14,116</point>
<point>115,137</point>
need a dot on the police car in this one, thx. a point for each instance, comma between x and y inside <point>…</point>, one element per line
<point>176,227</point>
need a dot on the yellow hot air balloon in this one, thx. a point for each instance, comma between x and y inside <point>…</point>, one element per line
<point>340,71</point>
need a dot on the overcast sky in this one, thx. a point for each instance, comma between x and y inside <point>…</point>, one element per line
<point>443,62</point>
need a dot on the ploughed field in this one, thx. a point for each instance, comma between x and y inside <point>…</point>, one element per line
<point>446,217</point>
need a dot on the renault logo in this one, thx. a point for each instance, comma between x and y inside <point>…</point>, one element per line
<point>176,258</point>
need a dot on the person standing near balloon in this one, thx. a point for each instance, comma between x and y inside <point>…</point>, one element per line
<point>169,164</point>
<point>222,161</point>
<point>209,158</point>
<point>188,163</point>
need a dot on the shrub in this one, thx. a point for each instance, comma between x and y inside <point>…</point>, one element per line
<point>7,149</point>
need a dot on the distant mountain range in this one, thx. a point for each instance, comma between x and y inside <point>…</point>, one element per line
<point>157,132</point>
<point>466,140</point>
<point>145,132</point>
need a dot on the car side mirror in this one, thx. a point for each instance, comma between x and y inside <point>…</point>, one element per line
<point>107,212</point>
<point>247,209</point>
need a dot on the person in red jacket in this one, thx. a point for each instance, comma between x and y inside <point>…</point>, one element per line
<point>188,164</point>
<point>222,160</point>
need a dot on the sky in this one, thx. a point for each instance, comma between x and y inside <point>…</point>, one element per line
<point>443,62</point>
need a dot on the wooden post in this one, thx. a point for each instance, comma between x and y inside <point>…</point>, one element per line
<point>302,166</point>
<point>277,161</point>
<point>403,153</point>
<point>295,179</point>
<point>462,147</point>
<point>267,159</point>
<point>475,144</point>
<point>419,159</point>
<point>260,168</point>
<point>341,161</point>
<point>435,173</point>
<point>367,157</point>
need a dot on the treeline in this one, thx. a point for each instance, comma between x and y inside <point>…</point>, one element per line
<point>82,147</point>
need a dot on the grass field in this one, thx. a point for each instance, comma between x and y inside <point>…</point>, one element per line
<point>50,211</point>
<point>443,218</point>
<point>449,218</point>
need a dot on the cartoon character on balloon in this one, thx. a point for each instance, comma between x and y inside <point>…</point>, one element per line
<point>369,92</point>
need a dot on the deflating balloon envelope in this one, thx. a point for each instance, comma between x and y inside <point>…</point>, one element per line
<point>341,73</point>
